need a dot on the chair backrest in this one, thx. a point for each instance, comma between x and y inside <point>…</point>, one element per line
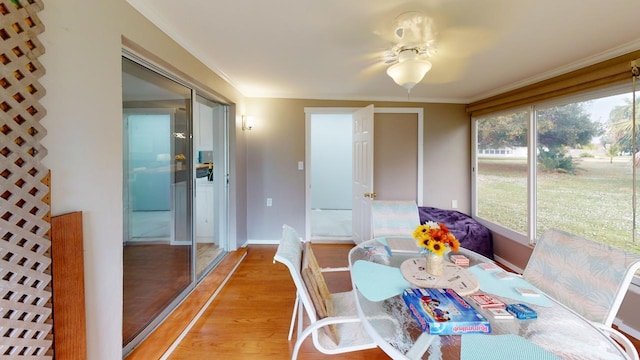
<point>307,277</point>
<point>289,253</point>
<point>394,218</point>
<point>589,277</point>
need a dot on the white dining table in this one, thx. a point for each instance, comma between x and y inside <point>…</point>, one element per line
<point>557,332</point>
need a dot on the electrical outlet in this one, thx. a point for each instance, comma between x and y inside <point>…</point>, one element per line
<point>300,165</point>
<point>454,204</point>
<point>269,202</point>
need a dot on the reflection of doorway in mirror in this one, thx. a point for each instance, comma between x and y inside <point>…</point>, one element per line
<point>210,186</point>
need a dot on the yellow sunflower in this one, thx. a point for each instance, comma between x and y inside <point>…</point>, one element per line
<point>436,247</point>
<point>420,231</point>
<point>435,237</point>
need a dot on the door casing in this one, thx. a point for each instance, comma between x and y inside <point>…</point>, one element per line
<point>309,111</point>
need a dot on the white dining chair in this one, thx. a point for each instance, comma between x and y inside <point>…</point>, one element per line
<point>334,324</point>
<point>394,218</point>
<point>589,277</point>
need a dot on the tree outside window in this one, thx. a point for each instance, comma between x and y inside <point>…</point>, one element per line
<point>583,170</point>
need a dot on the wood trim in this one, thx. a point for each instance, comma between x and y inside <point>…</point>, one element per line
<point>319,292</point>
<point>67,257</point>
<point>603,74</point>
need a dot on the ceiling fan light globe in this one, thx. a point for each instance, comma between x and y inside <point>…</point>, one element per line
<point>409,72</point>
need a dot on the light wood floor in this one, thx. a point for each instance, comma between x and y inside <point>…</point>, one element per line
<point>249,319</point>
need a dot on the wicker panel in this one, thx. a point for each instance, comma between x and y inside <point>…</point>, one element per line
<point>25,278</point>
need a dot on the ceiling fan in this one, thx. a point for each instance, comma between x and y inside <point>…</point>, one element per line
<point>415,43</point>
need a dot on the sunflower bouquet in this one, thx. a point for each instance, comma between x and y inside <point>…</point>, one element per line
<point>435,237</point>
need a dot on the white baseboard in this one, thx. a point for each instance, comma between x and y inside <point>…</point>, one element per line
<point>276,242</point>
<point>332,241</point>
<point>627,329</point>
<point>508,264</point>
<point>262,242</point>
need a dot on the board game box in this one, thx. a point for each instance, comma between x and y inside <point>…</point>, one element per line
<point>444,312</point>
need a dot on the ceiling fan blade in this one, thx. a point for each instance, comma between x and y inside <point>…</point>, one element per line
<point>373,63</point>
<point>462,42</point>
<point>455,47</point>
<point>446,70</point>
<point>372,70</point>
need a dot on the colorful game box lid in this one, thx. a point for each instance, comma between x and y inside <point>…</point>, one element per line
<point>522,311</point>
<point>442,311</point>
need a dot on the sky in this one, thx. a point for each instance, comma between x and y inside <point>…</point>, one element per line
<point>600,108</point>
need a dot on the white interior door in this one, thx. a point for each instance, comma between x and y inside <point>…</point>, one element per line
<point>362,173</point>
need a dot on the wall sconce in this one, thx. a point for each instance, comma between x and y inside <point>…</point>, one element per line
<point>248,122</point>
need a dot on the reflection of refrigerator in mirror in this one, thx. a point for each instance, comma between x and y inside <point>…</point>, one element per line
<point>210,183</point>
<point>148,200</point>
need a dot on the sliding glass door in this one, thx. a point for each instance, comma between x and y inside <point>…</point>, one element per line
<point>174,194</point>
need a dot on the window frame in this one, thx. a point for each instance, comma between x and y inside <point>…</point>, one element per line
<point>495,227</point>
<point>531,237</point>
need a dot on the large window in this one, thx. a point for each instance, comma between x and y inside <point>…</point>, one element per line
<point>582,179</point>
<point>502,169</point>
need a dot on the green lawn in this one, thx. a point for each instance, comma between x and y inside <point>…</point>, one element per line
<point>595,202</point>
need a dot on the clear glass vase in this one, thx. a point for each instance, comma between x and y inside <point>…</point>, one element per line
<point>435,264</point>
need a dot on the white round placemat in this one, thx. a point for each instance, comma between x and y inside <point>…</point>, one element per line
<point>454,276</point>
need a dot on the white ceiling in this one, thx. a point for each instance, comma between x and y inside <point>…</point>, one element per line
<point>332,49</point>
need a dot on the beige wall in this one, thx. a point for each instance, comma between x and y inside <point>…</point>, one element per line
<point>277,143</point>
<point>447,157</point>
<point>83,41</point>
<point>395,156</point>
<point>628,318</point>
